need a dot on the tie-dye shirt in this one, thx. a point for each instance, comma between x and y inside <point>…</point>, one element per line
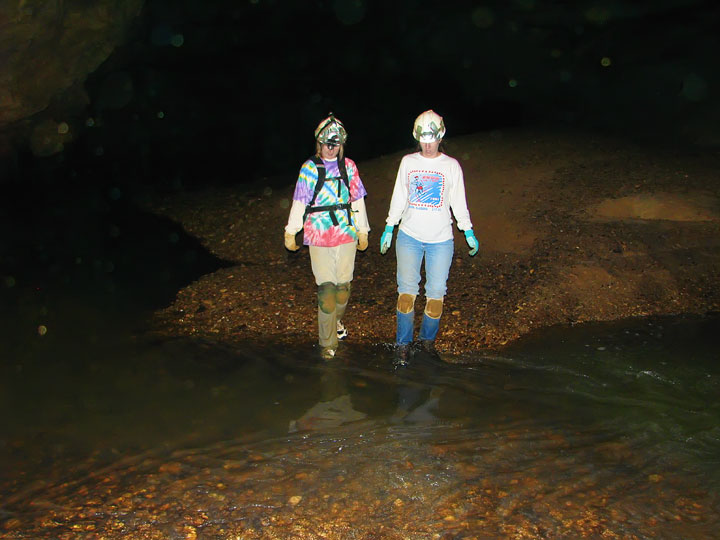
<point>318,229</point>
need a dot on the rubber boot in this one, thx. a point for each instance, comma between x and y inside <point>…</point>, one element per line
<point>429,328</point>
<point>405,328</point>
<point>428,331</point>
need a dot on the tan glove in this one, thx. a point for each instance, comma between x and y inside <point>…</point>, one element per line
<point>362,241</point>
<point>290,244</point>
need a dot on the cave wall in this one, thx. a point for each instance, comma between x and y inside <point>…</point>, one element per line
<point>47,49</point>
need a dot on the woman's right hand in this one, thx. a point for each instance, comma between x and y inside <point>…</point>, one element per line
<point>386,239</point>
<point>290,244</point>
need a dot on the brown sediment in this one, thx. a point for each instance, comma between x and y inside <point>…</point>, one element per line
<point>572,228</point>
<point>370,483</point>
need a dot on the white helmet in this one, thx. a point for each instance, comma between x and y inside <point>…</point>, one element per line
<point>429,127</point>
<point>331,131</point>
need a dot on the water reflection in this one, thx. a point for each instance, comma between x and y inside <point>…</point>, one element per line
<point>599,431</point>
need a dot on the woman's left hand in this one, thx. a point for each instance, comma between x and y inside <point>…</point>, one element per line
<point>362,241</point>
<point>471,241</point>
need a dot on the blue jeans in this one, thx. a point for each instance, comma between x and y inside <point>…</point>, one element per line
<point>438,258</point>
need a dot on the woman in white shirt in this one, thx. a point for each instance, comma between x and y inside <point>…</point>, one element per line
<point>429,189</point>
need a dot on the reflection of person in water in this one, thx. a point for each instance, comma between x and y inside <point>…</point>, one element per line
<point>417,404</point>
<point>346,397</point>
<point>335,407</point>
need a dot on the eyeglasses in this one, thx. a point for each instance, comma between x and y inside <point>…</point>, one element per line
<point>331,145</point>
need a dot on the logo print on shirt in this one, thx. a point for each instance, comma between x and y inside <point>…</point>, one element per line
<point>426,189</point>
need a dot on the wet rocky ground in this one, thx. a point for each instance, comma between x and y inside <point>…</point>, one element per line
<point>572,228</point>
<point>365,481</point>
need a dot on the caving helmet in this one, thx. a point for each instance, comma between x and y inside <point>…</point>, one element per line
<point>429,127</point>
<point>331,131</point>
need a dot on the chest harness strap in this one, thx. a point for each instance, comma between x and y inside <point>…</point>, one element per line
<point>309,209</point>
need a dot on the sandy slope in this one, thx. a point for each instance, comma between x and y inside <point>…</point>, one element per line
<point>572,228</point>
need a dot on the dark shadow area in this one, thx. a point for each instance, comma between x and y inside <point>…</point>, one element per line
<point>225,94</point>
<point>77,249</point>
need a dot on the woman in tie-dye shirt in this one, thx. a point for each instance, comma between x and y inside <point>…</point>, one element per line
<point>334,224</point>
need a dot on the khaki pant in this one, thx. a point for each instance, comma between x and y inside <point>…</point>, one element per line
<point>332,265</point>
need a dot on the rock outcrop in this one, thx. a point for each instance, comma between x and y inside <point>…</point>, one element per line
<point>47,49</point>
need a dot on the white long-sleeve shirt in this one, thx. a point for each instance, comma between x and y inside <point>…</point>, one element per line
<point>426,192</point>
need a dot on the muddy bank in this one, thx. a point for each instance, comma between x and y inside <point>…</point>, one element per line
<point>572,228</point>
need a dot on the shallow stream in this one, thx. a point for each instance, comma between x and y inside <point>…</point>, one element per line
<point>606,431</point>
<point>106,431</point>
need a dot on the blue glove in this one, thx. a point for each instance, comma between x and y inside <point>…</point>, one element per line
<point>386,239</point>
<point>471,241</point>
